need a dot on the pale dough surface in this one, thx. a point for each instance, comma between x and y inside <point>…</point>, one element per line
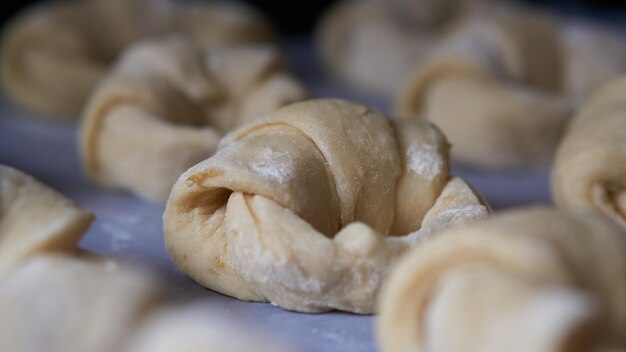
<point>166,103</point>
<point>530,279</point>
<point>500,79</point>
<point>35,219</point>
<point>64,304</point>
<point>309,207</point>
<point>482,84</point>
<point>589,170</point>
<point>192,329</point>
<point>54,54</point>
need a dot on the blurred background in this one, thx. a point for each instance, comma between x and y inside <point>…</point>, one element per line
<point>299,17</point>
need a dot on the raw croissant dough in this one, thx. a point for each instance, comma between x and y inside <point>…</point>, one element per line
<point>56,299</point>
<point>165,105</point>
<point>500,105</point>
<point>54,54</point>
<point>57,302</point>
<point>309,207</point>
<point>589,171</point>
<point>534,279</point>
<point>499,79</point>
<point>364,44</point>
<point>375,44</point>
<point>484,87</point>
<point>35,219</point>
<point>63,304</point>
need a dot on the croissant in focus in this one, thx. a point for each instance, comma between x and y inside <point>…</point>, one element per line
<point>54,54</point>
<point>533,279</point>
<point>589,171</point>
<point>309,207</point>
<point>166,103</point>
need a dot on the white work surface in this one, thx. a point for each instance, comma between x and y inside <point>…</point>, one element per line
<point>131,228</point>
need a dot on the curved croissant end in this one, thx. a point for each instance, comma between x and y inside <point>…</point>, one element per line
<point>48,304</point>
<point>536,279</point>
<point>165,105</point>
<point>34,219</point>
<point>309,207</point>
<point>499,106</point>
<point>589,171</point>
<point>53,55</point>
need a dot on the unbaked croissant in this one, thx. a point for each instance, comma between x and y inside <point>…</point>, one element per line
<point>35,219</point>
<point>308,207</point>
<point>375,44</point>
<point>51,297</point>
<point>533,279</point>
<point>589,171</point>
<point>64,304</point>
<point>498,104</point>
<point>54,54</point>
<point>364,43</point>
<point>166,103</point>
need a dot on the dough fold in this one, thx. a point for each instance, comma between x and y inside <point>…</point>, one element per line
<point>308,207</point>
<point>531,279</point>
<point>589,171</point>
<point>54,54</point>
<point>166,103</point>
<point>35,219</point>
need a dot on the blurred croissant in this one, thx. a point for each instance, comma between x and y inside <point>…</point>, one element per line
<point>500,105</point>
<point>589,171</point>
<point>374,44</point>
<point>308,207</point>
<point>52,297</point>
<point>54,54</point>
<point>35,219</point>
<point>166,103</point>
<point>59,303</point>
<point>57,298</point>
<point>529,280</point>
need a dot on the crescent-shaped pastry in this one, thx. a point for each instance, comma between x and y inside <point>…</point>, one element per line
<point>484,87</point>
<point>166,103</point>
<point>35,219</point>
<point>589,171</point>
<point>533,279</point>
<point>62,304</point>
<point>54,54</point>
<point>309,207</point>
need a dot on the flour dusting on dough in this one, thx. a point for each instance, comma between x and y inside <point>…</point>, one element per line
<point>275,165</point>
<point>425,160</point>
